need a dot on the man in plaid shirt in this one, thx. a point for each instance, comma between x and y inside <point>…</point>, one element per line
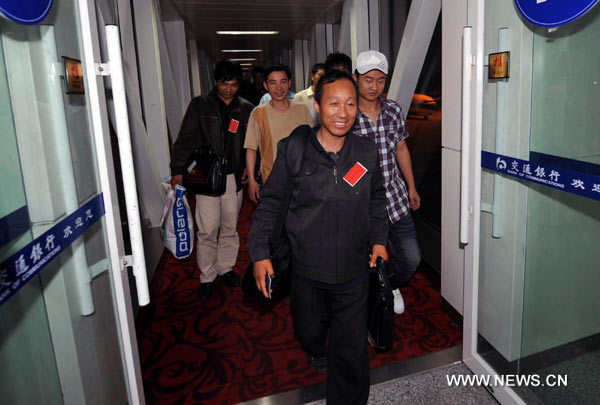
<point>382,121</point>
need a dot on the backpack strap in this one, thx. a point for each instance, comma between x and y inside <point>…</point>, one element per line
<point>293,159</point>
<point>295,149</point>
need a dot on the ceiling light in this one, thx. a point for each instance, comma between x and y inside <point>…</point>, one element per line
<point>247,32</point>
<point>241,50</point>
<point>242,59</point>
<point>245,64</point>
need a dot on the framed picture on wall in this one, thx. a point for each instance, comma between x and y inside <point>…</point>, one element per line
<point>499,65</point>
<point>73,76</point>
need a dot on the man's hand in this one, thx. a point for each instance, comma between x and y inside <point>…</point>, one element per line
<point>175,180</point>
<point>253,190</point>
<point>261,268</point>
<point>378,251</point>
<point>414,199</point>
<point>245,176</point>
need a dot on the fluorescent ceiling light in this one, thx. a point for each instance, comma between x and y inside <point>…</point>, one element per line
<point>247,32</point>
<point>245,64</point>
<point>240,50</point>
<point>242,59</point>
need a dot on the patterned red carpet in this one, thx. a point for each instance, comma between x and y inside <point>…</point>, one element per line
<point>226,351</point>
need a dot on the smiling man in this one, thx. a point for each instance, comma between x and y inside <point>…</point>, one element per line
<point>216,119</point>
<point>270,123</point>
<point>382,121</point>
<point>337,227</point>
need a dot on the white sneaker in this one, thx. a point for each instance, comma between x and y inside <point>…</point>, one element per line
<point>398,302</point>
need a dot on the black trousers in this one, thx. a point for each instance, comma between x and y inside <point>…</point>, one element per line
<point>345,312</point>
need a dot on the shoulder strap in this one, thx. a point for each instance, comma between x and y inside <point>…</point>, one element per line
<point>293,161</point>
<point>295,149</point>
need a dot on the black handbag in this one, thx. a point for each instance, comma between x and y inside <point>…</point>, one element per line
<point>380,317</point>
<point>205,171</point>
<point>280,249</point>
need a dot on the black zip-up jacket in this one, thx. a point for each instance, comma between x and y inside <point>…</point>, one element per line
<point>201,126</point>
<point>331,225</point>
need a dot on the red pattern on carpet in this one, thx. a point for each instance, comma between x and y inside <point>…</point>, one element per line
<point>227,350</point>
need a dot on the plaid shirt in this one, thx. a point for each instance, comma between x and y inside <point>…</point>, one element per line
<point>387,132</point>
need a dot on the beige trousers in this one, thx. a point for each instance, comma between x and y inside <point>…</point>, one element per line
<point>218,240</point>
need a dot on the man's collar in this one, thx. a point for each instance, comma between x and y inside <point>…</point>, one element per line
<point>319,147</point>
<point>234,102</point>
<point>381,106</point>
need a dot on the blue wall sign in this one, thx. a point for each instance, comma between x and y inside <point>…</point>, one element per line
<point>552,13</point>
<point>21,267</point>
<point>571,181</point>
<point>29,12</point>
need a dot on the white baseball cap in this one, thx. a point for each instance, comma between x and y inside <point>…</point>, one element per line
<point>369,60</point>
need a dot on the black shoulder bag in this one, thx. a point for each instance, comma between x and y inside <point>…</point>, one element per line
<point>205,170</point>
<point>279,244</point>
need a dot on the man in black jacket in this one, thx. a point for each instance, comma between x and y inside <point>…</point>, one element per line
<point>337,226</point>
<point>216,119</point>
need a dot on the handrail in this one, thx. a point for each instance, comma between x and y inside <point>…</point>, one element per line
<point>465,141</point>
<point>65,165</point>
<point>127,169</point>
<point>500,118</point>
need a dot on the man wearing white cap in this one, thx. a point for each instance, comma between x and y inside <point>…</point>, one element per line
<point>382,121</point>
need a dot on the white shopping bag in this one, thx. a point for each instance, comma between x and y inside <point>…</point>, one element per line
<point>177,224</point>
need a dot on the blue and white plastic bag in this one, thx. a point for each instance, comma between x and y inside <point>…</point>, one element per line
<point>177,224</point>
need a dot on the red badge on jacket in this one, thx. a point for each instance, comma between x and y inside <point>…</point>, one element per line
<point>233,126</point>
<point>355,174</point>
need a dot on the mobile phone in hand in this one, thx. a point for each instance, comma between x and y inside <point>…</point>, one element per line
<point>268,284</point>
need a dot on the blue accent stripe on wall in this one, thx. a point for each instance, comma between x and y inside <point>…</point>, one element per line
<point>14,225</point>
